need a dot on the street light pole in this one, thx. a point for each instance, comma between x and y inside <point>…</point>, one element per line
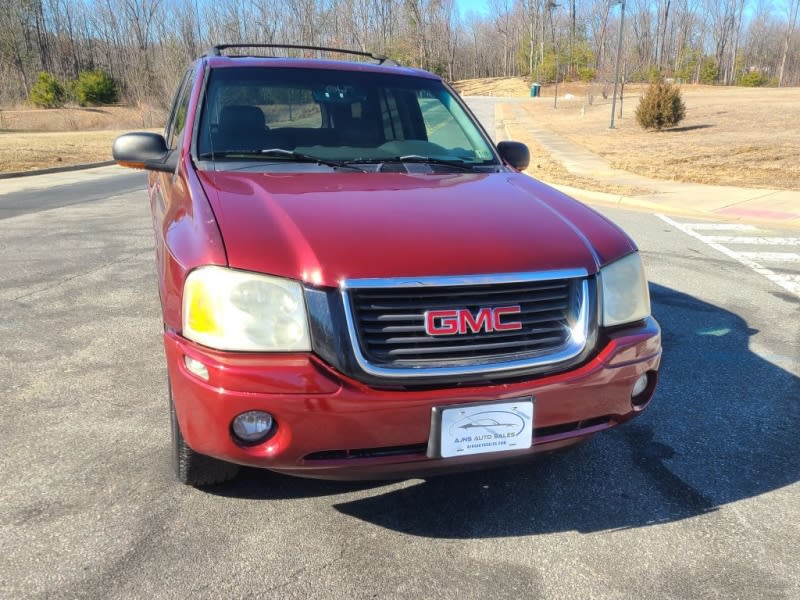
<point>550,6</point>
<point>555,95</point>
<point>532,49</point>
<point>541,41</point>
<point>619,54</point>
<point>541,49</point>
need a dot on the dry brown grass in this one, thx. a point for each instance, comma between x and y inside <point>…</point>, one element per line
<point>520,87</point>
<point>544,167</point>
<point>730,136</point>
<point>78,118</point>
<point>493,86</point>
<point>28,151</point>
<point>547,169</point>
<point>37,138</point>
<point>747,137</point>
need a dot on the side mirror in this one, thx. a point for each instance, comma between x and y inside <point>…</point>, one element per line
<point>515,154</point>
<point>144,150</point>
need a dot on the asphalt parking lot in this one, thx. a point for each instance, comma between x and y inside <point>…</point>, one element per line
<point>699,497</point>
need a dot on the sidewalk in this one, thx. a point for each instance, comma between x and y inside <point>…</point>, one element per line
<point>780,207</point>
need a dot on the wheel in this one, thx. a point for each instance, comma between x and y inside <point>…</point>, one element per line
<point>191,467</point>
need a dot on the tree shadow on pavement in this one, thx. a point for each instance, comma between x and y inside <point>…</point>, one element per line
<point>722,428</point>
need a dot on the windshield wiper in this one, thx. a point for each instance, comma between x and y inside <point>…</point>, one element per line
<point>301,157</point>
<point>281,154</point>
<point>416,158</point>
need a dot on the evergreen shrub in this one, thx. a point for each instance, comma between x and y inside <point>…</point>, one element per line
<point>95,87</point>
<point>47,92</point>
<point>661,106</point>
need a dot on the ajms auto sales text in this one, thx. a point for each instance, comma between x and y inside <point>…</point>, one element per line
<point>483,438</point>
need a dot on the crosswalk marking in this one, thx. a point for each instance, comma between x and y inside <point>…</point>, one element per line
<point>771,256</point>
<point>756,241</point>
<point>752,260</point>
<point>720,227</point>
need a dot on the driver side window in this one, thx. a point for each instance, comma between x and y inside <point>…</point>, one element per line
<point>180,108</point>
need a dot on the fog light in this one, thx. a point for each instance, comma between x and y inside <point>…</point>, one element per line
<point>196,367</point>
<point>640,385</point>
<point>252,427</point>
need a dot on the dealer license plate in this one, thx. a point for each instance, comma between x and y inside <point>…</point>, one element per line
<point>484,428</point>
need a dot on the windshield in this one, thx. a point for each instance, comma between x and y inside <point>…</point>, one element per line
<point>278,115</point>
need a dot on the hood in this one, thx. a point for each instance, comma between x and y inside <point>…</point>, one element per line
<point>325,227</point>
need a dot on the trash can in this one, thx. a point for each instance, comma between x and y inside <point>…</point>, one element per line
<point>535,89</point>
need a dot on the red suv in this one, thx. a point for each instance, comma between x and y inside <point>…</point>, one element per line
<point>356,283</point>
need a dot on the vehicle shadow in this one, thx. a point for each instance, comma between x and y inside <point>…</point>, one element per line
<point>258,484</point>
<point>722,428</point>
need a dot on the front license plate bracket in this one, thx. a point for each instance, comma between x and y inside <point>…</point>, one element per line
<point>481,428</point>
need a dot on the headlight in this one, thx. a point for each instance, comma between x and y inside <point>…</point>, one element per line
<point>237,310</point>
<point>625,294</point>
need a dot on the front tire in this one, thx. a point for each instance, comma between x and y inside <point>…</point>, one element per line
<point>192,468</point>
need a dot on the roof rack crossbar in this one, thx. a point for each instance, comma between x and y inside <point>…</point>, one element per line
<point>217,50</point>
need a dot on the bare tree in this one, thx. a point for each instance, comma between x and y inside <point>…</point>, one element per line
<point>144,43</point>
<point>791,9</point>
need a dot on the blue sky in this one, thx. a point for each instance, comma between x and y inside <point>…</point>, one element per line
<point>479,6</point>
<point>482,6</point>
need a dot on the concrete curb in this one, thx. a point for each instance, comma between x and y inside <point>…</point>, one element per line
<point>14,174</point>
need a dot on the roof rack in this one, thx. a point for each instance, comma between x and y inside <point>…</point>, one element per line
<point>217,51</point>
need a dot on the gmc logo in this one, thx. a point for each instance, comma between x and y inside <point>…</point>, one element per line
<point>460,321</point>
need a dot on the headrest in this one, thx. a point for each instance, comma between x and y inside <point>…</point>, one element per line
<point>241,118</point>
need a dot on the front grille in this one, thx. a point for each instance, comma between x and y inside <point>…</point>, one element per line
<point>388,322</point>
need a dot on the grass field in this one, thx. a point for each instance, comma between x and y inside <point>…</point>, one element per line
<point>28,151</point>
<point>748,137</point>
<point>37,138</point>
<point>731,136</point>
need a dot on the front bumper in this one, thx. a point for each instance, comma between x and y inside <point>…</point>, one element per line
<point>331,426</point>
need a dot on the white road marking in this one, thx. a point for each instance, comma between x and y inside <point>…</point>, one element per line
<point>752,260</point>
<point>771,256</point>
<point>782,361</point>
<point>720,226</point>
<point>756,241</point>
